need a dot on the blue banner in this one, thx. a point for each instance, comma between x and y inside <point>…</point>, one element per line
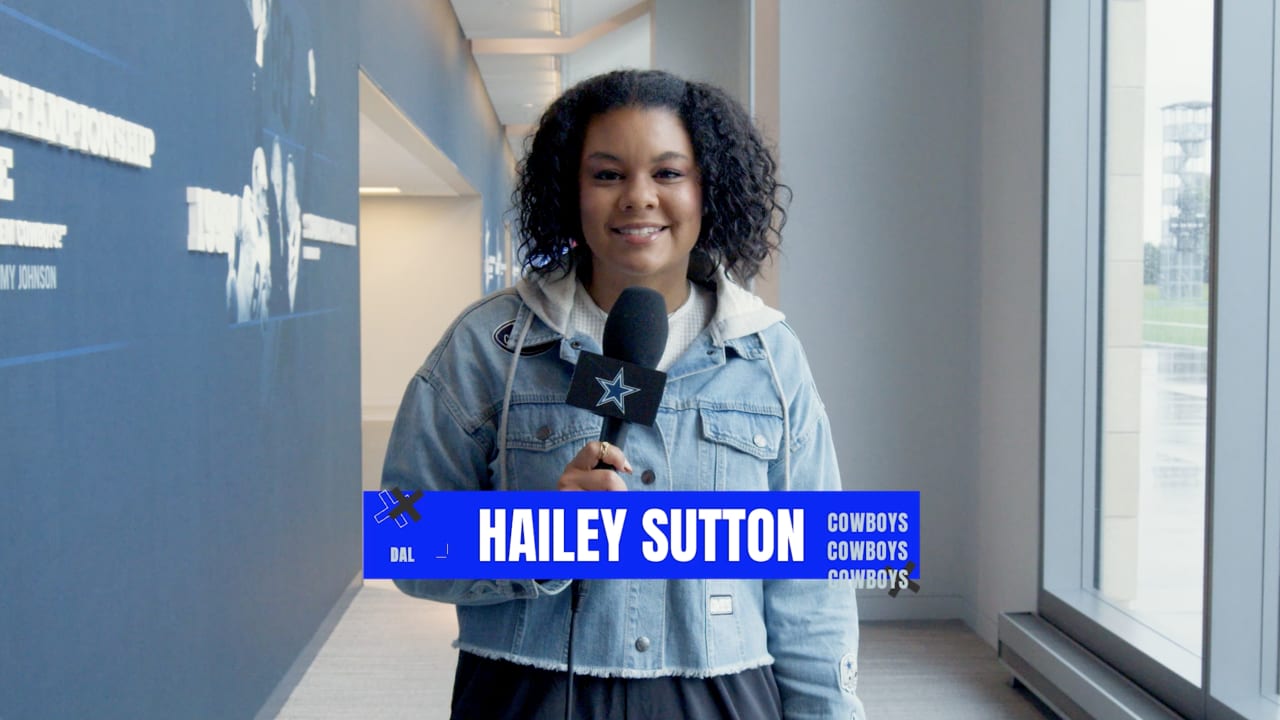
<point>670,535</point>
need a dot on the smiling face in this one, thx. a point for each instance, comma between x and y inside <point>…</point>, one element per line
<point>641,203</point>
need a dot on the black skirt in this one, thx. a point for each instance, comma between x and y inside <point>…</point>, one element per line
<point>487,689</point>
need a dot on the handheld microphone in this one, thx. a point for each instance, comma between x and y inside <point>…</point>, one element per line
<point>621,384</point>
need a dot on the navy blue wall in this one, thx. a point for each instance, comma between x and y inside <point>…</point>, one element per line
<point>179,420</point>
<point>179,450</point>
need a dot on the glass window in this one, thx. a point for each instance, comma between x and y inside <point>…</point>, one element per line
<point>1149,527</point>
<point>1161,425</point>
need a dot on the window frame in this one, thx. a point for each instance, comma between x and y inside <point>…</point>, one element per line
<point>1239,673</point>
<point>1071,374</point>
<point>1242,576</point>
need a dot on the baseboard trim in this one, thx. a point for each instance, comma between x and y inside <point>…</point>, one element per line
<point>1073,682</point>
<point>275,702</point>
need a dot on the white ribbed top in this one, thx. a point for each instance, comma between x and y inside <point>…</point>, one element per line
<point>683,325</point>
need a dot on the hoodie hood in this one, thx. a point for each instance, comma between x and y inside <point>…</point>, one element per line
<point>738,312</point>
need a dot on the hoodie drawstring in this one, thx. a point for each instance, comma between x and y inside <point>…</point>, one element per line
<point>786,415</point>
<point>506,402</point>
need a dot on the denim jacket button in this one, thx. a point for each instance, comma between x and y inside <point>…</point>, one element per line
<point>543,433</point>
<point>760,441</point>
<point>642,643</point>
<point>647,477</point>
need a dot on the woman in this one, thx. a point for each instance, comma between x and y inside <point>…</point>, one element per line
<point>635,178</point>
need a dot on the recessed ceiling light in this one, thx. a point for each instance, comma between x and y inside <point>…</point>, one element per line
<point>380,191</point>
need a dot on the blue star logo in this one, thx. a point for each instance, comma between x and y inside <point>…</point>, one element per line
<point>615,391</point>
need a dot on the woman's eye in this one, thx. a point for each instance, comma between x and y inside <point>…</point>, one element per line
<point>668,174</point>
<point>607,175</point>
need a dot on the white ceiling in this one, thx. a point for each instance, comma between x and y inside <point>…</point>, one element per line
<point>535,18</point>
<point>528,52</point>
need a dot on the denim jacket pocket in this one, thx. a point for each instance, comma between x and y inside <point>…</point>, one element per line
<point>542,437</point>
<point>742,443</point>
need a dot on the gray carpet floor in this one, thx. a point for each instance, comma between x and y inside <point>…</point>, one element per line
<point>389,657</point>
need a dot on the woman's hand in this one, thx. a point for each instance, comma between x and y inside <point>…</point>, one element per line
<point>581,473</point>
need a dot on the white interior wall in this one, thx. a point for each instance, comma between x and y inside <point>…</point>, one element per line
<point>1006,500</point>
<point>420,265</point>
<point>610,52</point>
<point>708,40</point>
<point>912,134</point>
<point>879,136</point>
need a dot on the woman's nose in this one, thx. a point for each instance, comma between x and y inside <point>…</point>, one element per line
<point>638,193</point>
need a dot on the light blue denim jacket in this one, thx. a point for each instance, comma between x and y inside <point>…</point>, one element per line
<point>740,412</point>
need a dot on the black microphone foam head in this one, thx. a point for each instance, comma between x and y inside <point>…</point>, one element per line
<point>636,329</point>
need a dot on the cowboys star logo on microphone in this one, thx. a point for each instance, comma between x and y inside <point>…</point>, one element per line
<point>616,391</point>
<point>615,388</point>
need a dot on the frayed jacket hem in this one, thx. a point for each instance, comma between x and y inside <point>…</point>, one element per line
<point>612,672</point>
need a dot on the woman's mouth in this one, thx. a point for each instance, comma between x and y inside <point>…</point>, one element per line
<point>639,233</point>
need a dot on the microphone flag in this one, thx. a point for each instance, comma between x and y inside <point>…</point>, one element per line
<point>616,388</point>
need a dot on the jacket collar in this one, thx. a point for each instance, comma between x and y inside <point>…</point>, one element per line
<point>738,313</point>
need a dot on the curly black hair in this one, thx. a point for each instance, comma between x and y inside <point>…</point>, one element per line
<point>743,203</point>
